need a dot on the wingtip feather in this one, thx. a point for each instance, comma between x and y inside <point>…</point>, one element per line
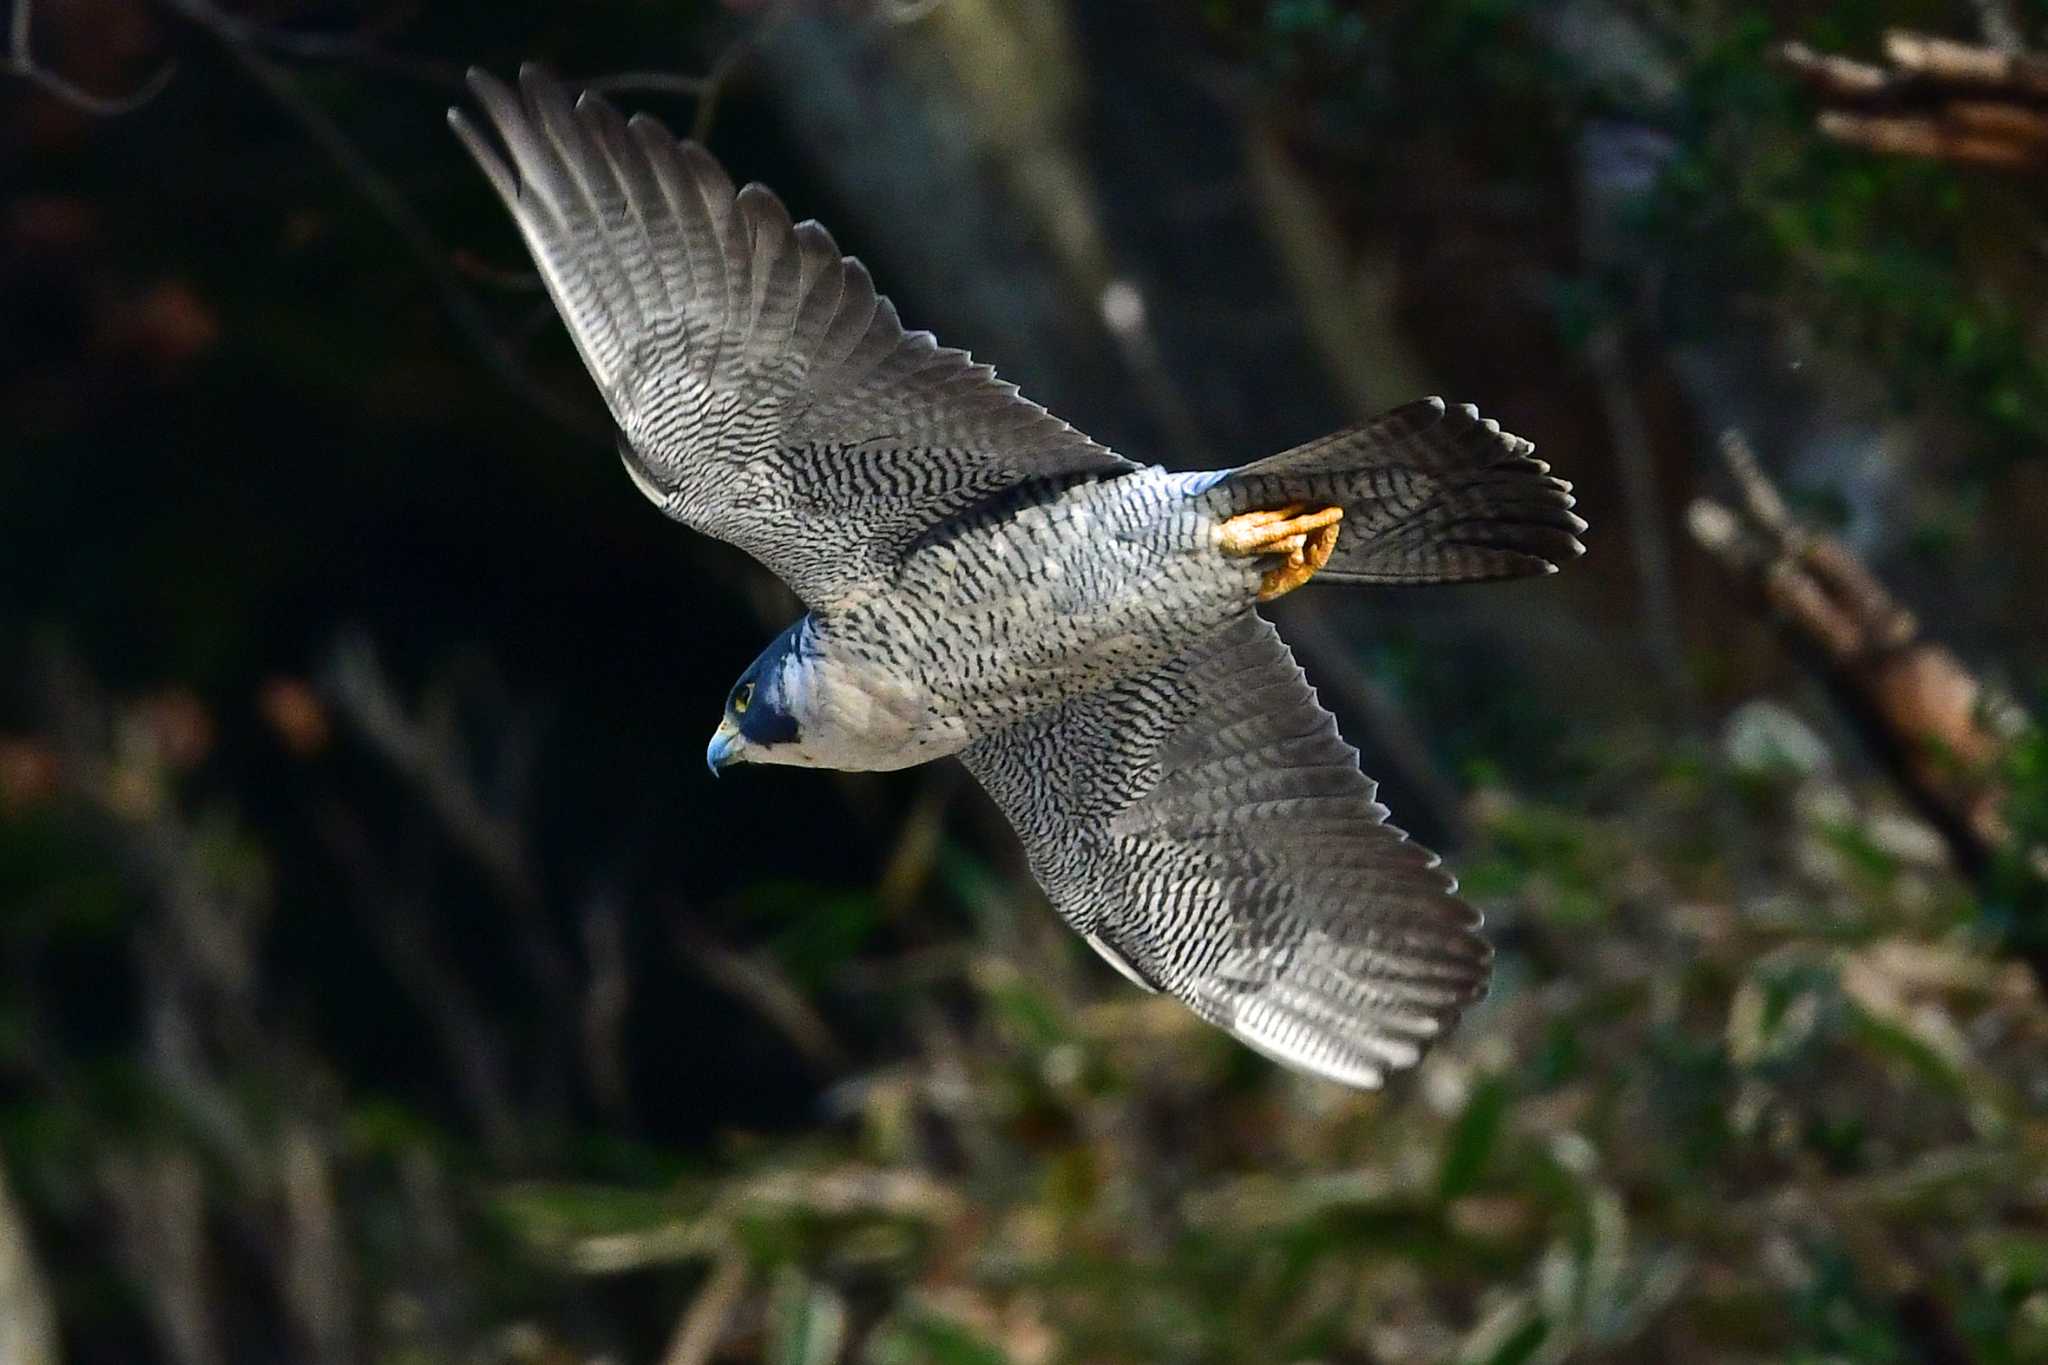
<point>654,260</point>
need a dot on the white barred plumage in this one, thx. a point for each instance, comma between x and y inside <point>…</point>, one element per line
<point>984,580</point>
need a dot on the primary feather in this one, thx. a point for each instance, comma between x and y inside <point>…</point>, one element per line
<point>1207,829</point>
<point>761,382</point>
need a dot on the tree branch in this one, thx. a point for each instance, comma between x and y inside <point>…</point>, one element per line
<point>1945,732</point>
<point>497,844</point>
<point>1939,98</point>
<point>20,61</point>
<point>28,1325</point>
<point>698,1333</point>
<point>397,212</point>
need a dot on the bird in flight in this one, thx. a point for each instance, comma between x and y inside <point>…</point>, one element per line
<point>982,580</point>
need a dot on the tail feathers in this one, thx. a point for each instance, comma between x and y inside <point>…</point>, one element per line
<point>1431,494</point>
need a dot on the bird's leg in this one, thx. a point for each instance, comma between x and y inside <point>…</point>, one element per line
<point>1303,539</point>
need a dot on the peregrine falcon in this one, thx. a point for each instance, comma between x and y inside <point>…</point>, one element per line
<point>982,580</point>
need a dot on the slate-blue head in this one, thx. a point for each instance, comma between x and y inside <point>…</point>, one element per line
<point>814,701</point>
<point>762,711</point>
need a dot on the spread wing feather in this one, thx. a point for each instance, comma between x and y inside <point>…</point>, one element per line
<point>768,395</point>
<point>1208,831</point>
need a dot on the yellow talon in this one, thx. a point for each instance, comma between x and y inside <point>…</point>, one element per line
<point>1304,539</point>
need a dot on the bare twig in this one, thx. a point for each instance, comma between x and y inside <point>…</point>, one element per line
<point>722,69</point>
<point>495,842</point>
<point>1937,140</point>
<point>1646,517</point>
<point>605,1002</point>
<point>697,1334</point>
<point>763,985</point>
<point>28,1325</point>
<point>1938,98</point>
<point>159,1204</point>
<point>359,49</point>
<point>1948,731</point>
<point>400,927</point>
<point>245,42</point>
<point>921,832</point>
<point>20,61</point>
<point>316,1276</point>
<point>476,268</point>
<point>355,48</point>
<point>711,87</point>
<point>363,694</point>
<point>1944,61</point>
<point>196,958</point>
<point>1124,315</point>
<point>653,83</point>
<point>844,1191</point>
<point>397,212</point>
<point>1425,788</point>
<point>1832,74</point>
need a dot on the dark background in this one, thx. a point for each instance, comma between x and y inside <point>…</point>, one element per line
<point>384,979</point>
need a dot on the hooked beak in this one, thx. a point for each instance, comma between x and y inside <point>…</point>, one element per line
<point>725,746</point>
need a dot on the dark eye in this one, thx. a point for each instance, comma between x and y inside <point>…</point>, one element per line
<point>742,698</point>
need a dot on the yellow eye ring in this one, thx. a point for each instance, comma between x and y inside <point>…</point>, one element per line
<point>742,699</point>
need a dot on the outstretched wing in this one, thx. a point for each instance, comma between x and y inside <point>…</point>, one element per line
<point>768,395</point>
<point>1206,829</point>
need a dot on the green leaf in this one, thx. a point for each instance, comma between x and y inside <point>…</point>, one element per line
<point>930,1340</point>
<point>807,1319</point>
<point>1510,1335</point>
<point>1471,1142</point>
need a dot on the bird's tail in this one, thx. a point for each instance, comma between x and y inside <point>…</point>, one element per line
<point>1429,494</point>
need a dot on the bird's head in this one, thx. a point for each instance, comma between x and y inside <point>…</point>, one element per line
<point>810,702</point>
<point>765,711</point>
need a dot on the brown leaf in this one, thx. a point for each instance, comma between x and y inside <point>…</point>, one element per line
<point>29,773</point>
<point>296,712</point>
